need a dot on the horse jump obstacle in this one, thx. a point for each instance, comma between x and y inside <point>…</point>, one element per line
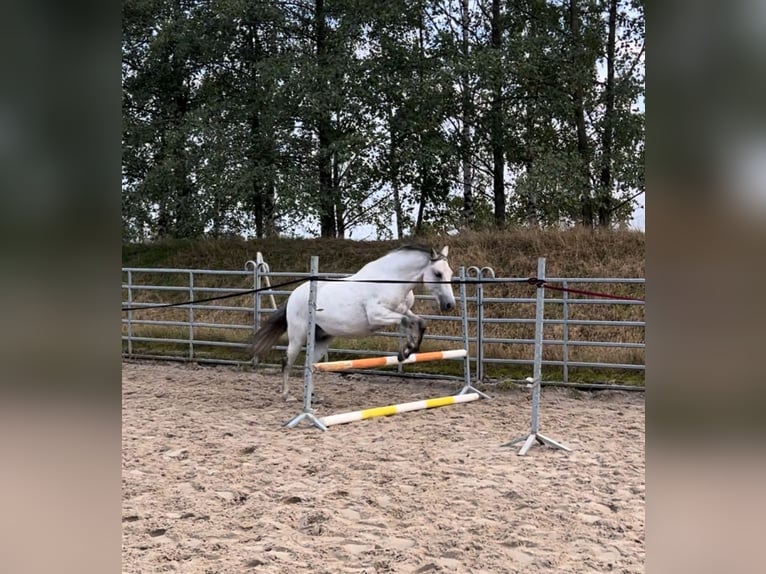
<point>343,418</point>
<point>371,363</point>
<point>308,371</point>
<point>374,362</point>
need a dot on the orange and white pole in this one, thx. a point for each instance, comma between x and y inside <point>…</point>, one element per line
<point>373,362</point>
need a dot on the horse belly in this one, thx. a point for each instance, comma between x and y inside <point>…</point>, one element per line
<point>341,315</point>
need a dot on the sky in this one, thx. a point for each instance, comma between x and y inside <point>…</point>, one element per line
<point>638,221</point>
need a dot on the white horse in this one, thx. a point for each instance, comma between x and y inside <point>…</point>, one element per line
<point>352,308</point>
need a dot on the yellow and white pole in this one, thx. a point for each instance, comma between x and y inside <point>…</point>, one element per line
<point>396,409</point>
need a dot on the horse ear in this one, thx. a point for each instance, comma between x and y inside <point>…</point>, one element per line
<point>434,254</point>
<point>445,250</point>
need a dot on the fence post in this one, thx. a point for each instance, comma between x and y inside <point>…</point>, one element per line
<point>130,313</point>
<point>191,315</point>
<point>467,388</point>
<point>260,277</point>
<point>466,335</point>
<point>487,272</point>
<point>257,296</point>
<point>479,328</point>
<point>565,333</point>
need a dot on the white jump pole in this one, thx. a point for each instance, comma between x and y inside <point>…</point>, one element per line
<point>343,418</point>
<point>371,363</point>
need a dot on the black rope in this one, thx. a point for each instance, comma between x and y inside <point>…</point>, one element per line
<point>216,298</point>
<point>531,280</point>
<point>451,282</point>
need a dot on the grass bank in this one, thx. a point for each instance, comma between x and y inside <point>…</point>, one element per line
<point>514,253</point>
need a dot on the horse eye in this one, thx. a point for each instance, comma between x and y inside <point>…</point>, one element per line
<point>438,274</point>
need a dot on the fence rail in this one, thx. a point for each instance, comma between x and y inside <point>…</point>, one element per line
<point>215,333</point>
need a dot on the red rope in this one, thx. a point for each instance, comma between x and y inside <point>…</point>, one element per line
<point>543,283</point>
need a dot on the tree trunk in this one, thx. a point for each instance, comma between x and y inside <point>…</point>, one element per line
<point>184,221</point>
<point>421,213</point>
<point>422,167</point>
<point>496,115</point>
<point>529,155</point>
<point>340,209</point>
<point>393,163</point>
<point>263,188</point>
<point>164,225</point>
<point>398,213</point>
<point>164,228</point>
<point>532,208</point>
<point>262,147</point>
<point>327,221</point>
<point>604,200</point>
<point>187,223</point>
<point>578,99</point>
<point>465,133</point>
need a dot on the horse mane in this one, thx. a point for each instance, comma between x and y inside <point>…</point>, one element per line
<point>414,247</point>
<point>420,248</point>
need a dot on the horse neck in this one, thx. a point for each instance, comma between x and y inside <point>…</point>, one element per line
<point>407,267</point>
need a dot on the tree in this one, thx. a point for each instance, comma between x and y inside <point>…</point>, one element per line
<point>293,116</point>
<point>496,118</point>
<point>159,66</point>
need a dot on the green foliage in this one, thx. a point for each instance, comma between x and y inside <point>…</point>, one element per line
<point>239,118</point>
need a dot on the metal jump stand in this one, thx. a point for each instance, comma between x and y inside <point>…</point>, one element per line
<point>308,371</point>
<point>535,434</point>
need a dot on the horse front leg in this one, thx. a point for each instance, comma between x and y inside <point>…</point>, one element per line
<point>420,332</point>
<point>379,316</point>
<point>413,328</point>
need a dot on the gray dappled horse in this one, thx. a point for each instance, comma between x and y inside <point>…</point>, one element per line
<point>347,308</point>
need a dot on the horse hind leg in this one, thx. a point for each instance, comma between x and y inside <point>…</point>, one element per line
<point>321,344</point>
<point>293,348</point>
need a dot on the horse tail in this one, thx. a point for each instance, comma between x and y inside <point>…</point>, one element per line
<point>268,335</point>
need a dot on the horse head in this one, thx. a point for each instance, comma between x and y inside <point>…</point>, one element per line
<point>438,279</point>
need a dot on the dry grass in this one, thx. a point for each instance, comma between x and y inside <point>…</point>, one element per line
<point>514,253</point>
<point>574,252</point>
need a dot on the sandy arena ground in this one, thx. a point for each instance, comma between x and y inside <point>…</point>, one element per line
<point>212,482</point>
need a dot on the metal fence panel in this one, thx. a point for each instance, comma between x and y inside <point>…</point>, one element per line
<point>193,332</point>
